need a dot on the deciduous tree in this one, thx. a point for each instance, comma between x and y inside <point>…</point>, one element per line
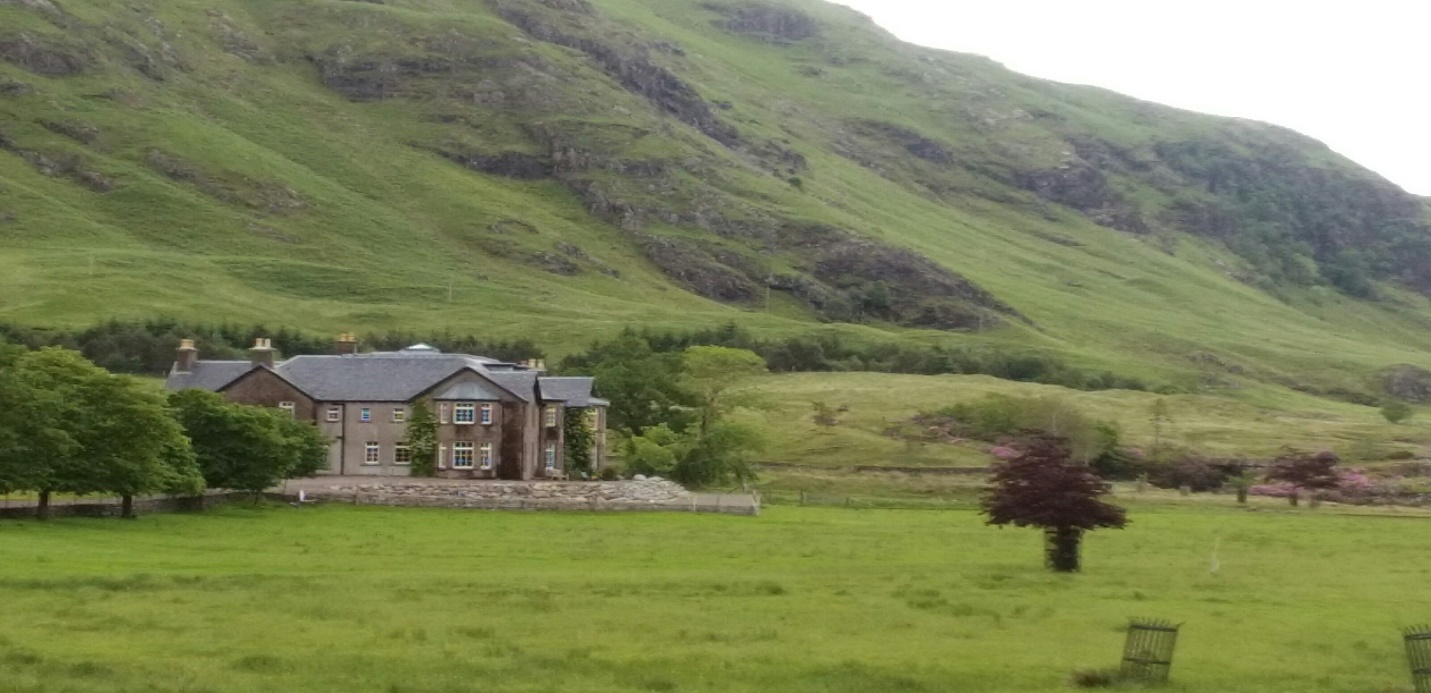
<point>247,448</point>
<point>1042,487</point>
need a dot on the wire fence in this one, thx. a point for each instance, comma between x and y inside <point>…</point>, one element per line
<point>827,500</point>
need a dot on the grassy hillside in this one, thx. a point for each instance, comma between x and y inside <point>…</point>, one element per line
<point>1256,422</point>
<point>557,169</point>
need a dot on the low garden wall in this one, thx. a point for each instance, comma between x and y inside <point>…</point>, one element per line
<point>602,496</point>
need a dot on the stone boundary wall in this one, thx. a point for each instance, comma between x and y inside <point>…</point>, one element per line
<point>595,496</point>
<point>653,495</point>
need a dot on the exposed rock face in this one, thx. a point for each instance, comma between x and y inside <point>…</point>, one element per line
<point>266,195</point>
<point>766,21</point>
<point>43,55</point>
<point>697,270</point>
<point>906,287</point>
<point>10,87</point>
<point>78,131</point>
<point>61,165</point>
<point>635,71</point>
<point>1407,383</point>
<point>1079,185</point>
<point>916,144</point>
<point>515,165</point>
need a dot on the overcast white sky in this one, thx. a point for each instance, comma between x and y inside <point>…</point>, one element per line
<point>1356,75</point>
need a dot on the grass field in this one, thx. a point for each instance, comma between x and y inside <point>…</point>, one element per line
<point>1253,422</point>
<point>363,599</point>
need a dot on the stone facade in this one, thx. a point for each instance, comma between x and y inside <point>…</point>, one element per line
<point>511,425</point>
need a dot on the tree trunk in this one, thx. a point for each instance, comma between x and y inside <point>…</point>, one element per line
<point>126,507</point>
<point>1242,495</point>
<point>1063,548</point>
<point>42,512</point>
<point>1293,499</point>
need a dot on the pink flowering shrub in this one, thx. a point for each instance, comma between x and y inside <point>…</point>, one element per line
<point>1351,483</point>
<point>1282,490</point>
<point>1003,452</point>
<point>1355,482</point>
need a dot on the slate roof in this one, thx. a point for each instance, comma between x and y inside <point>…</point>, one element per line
<point>467,392</point>
<point>398,376</point>
<point>208,375</point>
<point>574,392</point>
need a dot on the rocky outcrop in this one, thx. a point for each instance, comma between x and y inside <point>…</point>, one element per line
<point>10,87</point>
<point>44,55</point>
<point>74,167</point>
<point>915,144</point>
<point>694,268</point>
<point>79,131</point>
<point>1079,185</point>
<point>1407,383</point>
<point>630,67</point>
<point>266,195</point>
<point>514,165</point>
<point>767,22</point>
<point>906,287</point>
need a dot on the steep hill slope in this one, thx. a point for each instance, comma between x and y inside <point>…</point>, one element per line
<point>558,168</point>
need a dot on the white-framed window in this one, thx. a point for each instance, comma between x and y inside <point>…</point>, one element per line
<point>335,414</point>
<point>486,455</point>
<point>464,413</point>
<point>288,408</point>
<point>372,453</point>
<point>444,413</point>
<point>487,415</point>
<point>399,414</point>
<point>366,415</point>
<point>462,455</point>
<point>442,456</point>
<point>402,453</point>
<point>551,455</point>
<point>551,415</point>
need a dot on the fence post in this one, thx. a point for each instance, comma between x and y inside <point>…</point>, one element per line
<point>1418,655</point>
<point>802,497</point>
<point>1148,651</point>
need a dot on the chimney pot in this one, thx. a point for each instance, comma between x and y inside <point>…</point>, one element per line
<point>262,352</point>
<point>347,344</point>
<point>186,357</point>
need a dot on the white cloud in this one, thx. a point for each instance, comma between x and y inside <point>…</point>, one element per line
<point>1352,74</point>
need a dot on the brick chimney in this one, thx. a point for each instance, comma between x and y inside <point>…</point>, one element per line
<point>347,344</point>
<point>262,353</point>
<point>186,356</point>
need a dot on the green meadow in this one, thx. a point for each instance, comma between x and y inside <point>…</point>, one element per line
<point>340,598</point>
<point>1255,422</point>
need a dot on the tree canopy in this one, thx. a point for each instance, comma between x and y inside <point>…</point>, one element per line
<point>1042,487</point>
<point>247,448</point>
<point>72,427</point>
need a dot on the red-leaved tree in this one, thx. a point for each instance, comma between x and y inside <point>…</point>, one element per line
<point>1305,472</point>
<point>1042,487</point>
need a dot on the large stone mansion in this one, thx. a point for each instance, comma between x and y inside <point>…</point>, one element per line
<point>495,420</point>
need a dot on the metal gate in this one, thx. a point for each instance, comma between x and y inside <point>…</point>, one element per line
<point>1148,652</point>
<point>1418,654</point>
